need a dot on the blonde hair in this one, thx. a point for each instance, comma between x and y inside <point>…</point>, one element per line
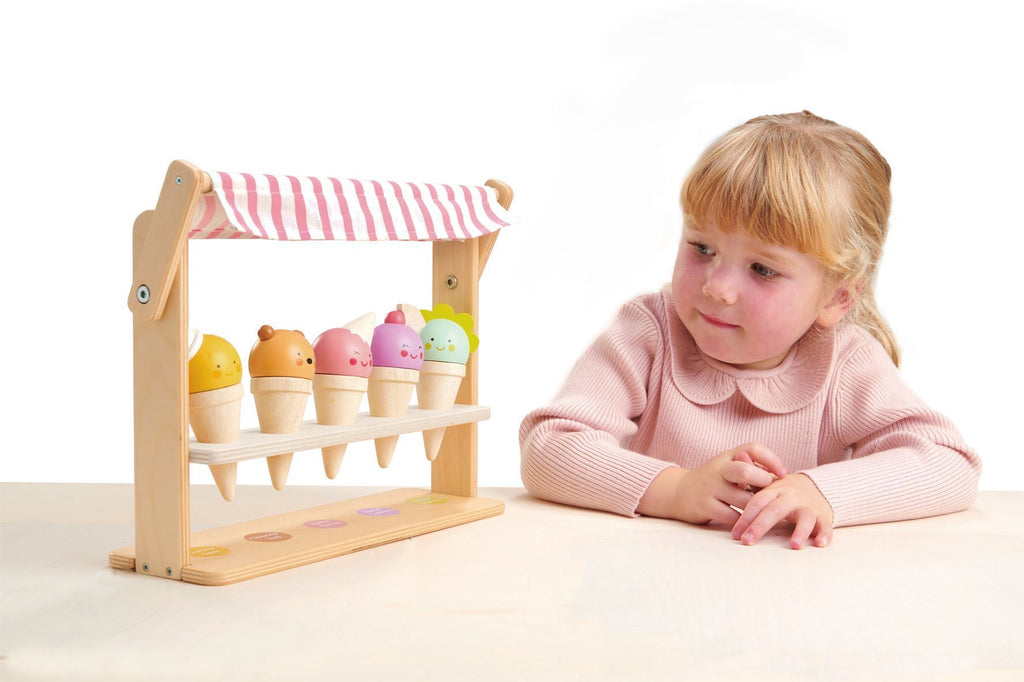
<point>803,182</point>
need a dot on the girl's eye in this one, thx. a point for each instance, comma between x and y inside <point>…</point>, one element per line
<point>702,249</point>
<point>764,271</point>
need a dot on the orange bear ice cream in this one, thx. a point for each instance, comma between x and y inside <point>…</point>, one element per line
<point>281,353</point>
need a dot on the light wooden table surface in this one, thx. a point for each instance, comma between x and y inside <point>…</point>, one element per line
<point>541,592</point>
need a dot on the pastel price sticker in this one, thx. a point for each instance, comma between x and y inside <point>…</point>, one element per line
<point>325,523</point>
<point>426,499</point>
<point>268,536</point>
<point>378,511</point>
<point>208,551</point>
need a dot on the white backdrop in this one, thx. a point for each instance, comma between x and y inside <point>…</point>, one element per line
<point>591,111</point>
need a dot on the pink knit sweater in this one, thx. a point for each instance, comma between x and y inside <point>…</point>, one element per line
<point>643,398</point>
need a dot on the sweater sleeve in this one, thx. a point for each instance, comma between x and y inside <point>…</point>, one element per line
<point>906,460</point>
<point>575,450</point>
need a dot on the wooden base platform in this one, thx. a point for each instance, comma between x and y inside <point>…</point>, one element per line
<point>221,556</point>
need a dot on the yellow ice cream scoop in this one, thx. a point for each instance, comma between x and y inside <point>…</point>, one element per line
<point>213,363</point>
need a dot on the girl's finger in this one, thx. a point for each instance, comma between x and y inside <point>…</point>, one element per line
<point>805,522</point>
<point>765,520</point>
<point>765,458</point>
<point>742,474</point>
<point>754,507</point>
<point>823,538</point>
<point>724,513</point>
<point>734,497</point>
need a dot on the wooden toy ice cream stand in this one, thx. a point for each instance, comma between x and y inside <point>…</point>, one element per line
<point>461,221</point>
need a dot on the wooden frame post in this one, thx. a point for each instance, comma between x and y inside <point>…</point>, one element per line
<point>159,303</point>
<point>458,266</point>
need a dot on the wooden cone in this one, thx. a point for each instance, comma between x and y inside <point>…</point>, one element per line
<point>225,476</point>
<point>438,386</point>
<point>332,455</point>
<point>279,466</point>
<point>280,405</point>
<point>337,400</point>
<point>432,439</point>
<point>215,416</point>
<point>389,393</point>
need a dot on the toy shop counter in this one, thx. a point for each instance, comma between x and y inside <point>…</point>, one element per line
<point>539,592</point>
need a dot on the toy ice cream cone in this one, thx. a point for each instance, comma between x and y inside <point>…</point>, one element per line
<point>343,365</point>
<point>448,339</point>
<point>281,365</point>
<point>439,384</point>
<point>397,356</point>
<point>389,393</point>
<point>215,416</point>
<point>215,400</point>
<point>280,405</point>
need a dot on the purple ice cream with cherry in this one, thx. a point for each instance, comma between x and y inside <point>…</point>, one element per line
<point>396,344</point>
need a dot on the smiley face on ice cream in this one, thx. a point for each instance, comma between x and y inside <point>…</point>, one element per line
<point>213,363</point>
<point>281,353</point>
<point>342,352</point>
<point>396,344</point>
<point>447,337</point>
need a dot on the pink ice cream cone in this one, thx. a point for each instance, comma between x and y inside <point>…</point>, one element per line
<point>344,363</point>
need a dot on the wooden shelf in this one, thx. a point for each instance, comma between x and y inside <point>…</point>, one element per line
<point>253,444</point>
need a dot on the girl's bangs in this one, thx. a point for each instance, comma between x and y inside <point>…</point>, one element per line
<point>771,194</point>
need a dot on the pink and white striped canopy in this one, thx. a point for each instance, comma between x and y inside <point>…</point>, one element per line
<point>286,207</point>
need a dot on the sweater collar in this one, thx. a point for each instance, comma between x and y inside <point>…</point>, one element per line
<point>789,387</point>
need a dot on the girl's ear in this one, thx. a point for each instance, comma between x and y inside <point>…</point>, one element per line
<point>842,300</point>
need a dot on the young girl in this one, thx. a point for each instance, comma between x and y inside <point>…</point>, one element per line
<point>761,386</point>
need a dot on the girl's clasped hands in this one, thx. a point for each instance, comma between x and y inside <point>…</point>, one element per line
<point>748,488</point>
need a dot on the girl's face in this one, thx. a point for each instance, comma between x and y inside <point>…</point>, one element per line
<point>746,302</point>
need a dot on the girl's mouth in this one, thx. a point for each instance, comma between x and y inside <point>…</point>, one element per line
<point>715,322</point>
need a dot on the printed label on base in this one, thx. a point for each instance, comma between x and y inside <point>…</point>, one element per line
<point>378,511</point>
<point>426,499</point>
<point>208,550</point>
<point>268,536</point>
<point>325,523</point>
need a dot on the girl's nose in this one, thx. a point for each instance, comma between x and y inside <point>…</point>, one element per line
<point>720,285</point>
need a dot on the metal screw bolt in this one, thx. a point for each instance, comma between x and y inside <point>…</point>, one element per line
<point>178,180</point>
<point>452,281</point>
<point>142,294</point>
<point>169,571</point>
<point>145,567</point>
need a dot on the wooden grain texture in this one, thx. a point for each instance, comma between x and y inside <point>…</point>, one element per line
<point>157,259</point>
<point>161,423</point>
<point>457,269</point>
<point>454,472</point>
<point>253,548</point>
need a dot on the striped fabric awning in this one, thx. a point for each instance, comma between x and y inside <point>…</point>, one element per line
<point>286,207</point>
